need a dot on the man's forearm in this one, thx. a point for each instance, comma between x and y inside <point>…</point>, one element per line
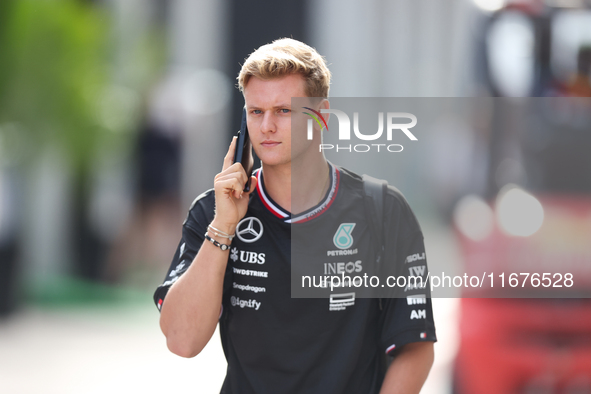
<point>409,369</point>
<point>191,308</point>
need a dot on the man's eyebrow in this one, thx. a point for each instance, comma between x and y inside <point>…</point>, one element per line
<point>280,105</point>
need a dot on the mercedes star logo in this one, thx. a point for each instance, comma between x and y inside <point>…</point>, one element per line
<point>249,230</point>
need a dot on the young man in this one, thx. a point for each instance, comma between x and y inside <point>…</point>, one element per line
<point>235,254</point>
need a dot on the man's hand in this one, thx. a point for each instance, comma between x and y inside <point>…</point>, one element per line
<point>409,369</point>
<point>230,201</point>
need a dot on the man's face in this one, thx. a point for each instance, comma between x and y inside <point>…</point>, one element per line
<point>268,104</point>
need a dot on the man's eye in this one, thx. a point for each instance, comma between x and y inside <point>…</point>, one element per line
<point>284,110</point>
<point>256,111</point>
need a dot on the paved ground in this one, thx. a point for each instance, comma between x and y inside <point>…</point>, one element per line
<point>99,351</point>
<point>121,350</point>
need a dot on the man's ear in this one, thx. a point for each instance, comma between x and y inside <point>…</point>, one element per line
<point>325,104</point>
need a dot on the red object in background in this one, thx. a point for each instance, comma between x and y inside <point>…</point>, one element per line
<point>524,346</point>
<point>529,345</point>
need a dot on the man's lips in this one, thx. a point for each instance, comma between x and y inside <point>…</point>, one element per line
<point>269,143</point>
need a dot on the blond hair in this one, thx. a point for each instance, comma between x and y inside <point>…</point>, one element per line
<point>287,56</point>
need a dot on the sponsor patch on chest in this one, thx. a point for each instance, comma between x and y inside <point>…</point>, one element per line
<point>340,302</point>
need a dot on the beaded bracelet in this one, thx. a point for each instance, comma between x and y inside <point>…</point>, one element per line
<point>223,247</point>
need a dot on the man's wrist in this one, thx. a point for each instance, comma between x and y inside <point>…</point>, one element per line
<point>219,233</point>
<point>221,227</point>
<point>220,245</point>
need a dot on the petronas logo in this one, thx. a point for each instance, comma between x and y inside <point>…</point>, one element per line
<point>342,238</point>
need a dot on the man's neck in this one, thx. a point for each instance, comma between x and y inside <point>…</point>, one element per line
<point>297,187</point>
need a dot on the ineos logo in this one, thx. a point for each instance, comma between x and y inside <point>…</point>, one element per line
<point>249,230</point>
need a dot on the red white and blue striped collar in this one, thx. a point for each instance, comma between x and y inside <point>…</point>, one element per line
<point>271,205</point>
<point>310,214</point>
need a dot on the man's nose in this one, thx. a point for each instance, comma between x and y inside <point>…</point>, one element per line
<point>268,123</point>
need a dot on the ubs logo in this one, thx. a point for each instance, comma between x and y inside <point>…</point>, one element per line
<point>249,230</point>
<point>247,257</point>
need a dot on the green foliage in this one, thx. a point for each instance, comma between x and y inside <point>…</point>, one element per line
<point>54,76</point>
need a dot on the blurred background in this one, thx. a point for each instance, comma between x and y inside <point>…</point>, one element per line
<point>115,114</point>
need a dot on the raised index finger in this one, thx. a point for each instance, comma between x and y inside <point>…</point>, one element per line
<point>229,158</point>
